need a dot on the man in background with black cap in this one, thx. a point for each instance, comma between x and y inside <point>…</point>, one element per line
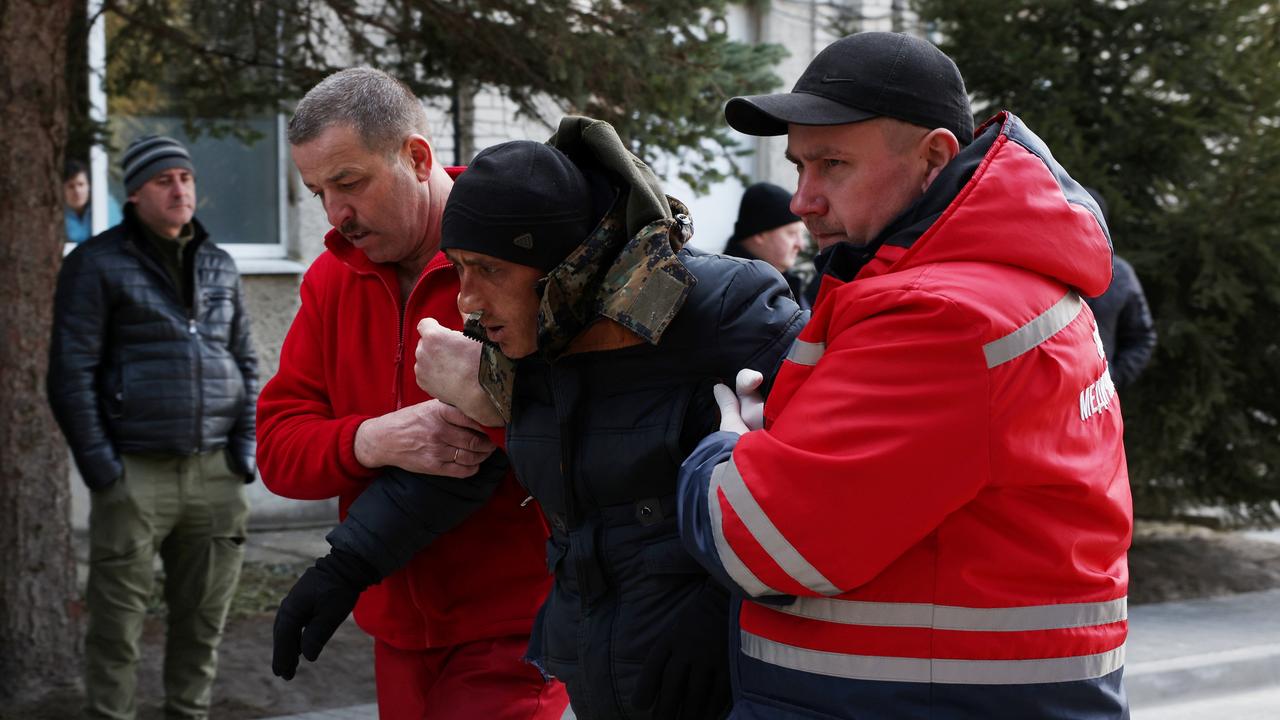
<point>153,377</point>
<point>933,520</point>
<point>767,230</point>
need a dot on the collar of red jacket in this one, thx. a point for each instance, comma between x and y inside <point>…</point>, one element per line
<point>1003,199</point>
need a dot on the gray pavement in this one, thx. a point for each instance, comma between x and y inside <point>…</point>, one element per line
<point>1210,658</point>
<point>1186,652</point>
<point>1213,658</point>
<point>1255,705</point>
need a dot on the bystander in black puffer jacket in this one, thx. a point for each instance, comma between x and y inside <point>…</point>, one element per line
<point>1124,323</point>
<point>134,368</point>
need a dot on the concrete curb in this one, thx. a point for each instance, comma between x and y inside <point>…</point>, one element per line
<point>1181,651</point>
<point>355,712</point>
<point>1162,682</point>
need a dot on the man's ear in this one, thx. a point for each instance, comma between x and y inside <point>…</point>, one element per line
<point>936,149</point>
<point>421,155</point>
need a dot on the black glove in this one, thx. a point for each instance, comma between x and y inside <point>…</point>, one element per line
<point>686,675</point>
<point>318,603</point>
<point>400,513</point>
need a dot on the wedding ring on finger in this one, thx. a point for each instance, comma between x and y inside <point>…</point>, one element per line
<point>455,454</point>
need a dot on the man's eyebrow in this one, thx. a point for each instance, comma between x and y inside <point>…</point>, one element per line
<point>342,173</point>
<point>820,151</point>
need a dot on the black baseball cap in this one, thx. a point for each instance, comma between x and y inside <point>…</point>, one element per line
<point>863,76</point>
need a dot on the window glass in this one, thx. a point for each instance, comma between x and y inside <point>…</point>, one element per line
<point>237,184</point>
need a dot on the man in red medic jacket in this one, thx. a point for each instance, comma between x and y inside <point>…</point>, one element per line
<point>934,518</point>
<point>451,628</point>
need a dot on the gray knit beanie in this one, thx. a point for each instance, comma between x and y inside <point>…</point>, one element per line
<point>151,155</point>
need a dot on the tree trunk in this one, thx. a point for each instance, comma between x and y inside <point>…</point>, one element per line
<point>39,607</point>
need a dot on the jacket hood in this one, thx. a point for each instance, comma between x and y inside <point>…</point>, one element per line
<point>1005,200</point>
<point>594,145</point>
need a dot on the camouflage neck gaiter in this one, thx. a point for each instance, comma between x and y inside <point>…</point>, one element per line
<point>637,282</point>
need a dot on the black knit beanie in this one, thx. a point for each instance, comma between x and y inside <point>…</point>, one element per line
<point>521,201</point>
<point>765,206</point>
<point>151,155</point>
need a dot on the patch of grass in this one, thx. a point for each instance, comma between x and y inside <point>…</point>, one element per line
<point>262,587</point>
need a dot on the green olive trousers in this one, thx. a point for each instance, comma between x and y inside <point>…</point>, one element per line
<point>193,512</point>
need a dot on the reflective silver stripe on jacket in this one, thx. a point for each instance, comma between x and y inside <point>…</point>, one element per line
<point>733,565</point>
<point>926,670</point>
<point>1043,327</point>
<point>806,353</point>
<point>767,534</point>
<point>954,617</point>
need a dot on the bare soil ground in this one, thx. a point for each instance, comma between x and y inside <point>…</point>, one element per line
<point>1168,562</point>
<point>1174,561</point>
<point>245,688</point>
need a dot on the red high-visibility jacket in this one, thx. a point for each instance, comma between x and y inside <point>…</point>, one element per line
<point>941,480</point>
<point>348,357</point>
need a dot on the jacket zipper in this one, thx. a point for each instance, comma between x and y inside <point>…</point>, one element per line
<point>403,309</point>
<point>194,332</point>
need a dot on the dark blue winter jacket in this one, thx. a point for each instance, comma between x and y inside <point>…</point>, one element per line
<point>1125,324</point>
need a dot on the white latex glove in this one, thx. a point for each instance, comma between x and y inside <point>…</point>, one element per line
<point>730,414</point>
<point>750,402</point>
<point>447,365</point>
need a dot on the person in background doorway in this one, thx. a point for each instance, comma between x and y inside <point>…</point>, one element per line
<point>77,209</point>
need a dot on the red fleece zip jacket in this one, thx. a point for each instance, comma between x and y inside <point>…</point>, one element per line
<point>348,357</point>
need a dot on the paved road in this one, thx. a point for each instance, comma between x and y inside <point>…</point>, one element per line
<point>1209,659</point>
<point>1257,705</point>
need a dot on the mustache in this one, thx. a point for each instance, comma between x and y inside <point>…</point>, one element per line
<point>818,229</point>
<point>352,228</point>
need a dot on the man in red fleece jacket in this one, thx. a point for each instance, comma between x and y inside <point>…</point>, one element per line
<point>451,627</point>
